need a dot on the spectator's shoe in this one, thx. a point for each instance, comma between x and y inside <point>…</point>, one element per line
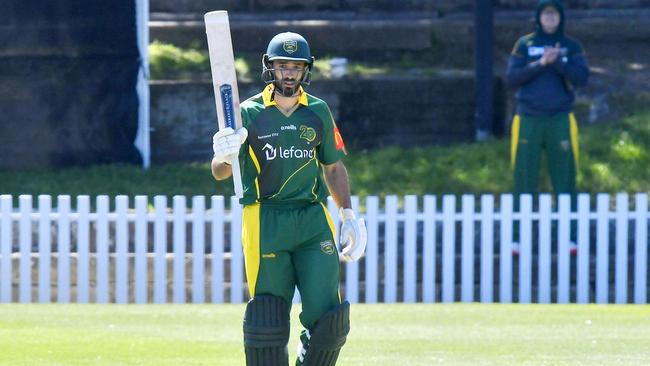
<point>573,248</point>
<point>515,248</point>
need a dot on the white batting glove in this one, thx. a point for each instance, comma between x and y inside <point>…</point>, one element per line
<point>353,236</point>
<point>226,143</point>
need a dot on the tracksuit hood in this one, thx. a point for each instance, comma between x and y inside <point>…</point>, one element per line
<point>557,4</point>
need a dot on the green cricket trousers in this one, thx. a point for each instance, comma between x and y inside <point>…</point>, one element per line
<point>290,244</point>
<point>558,137</point>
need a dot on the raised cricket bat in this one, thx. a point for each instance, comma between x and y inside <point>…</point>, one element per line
<point>224,80</point>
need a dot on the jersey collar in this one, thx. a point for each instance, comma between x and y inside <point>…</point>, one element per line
<point>267,96</point>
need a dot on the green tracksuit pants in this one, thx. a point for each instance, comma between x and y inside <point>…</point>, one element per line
<point>288,245</point>
<point>558,137</point>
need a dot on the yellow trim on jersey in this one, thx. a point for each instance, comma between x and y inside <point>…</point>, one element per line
<point>514,141</point>
<point>315,181</point>
<point>291,176</point>
<point>573,131</point>
<point>251,244</point>
<point>251,152</point>
<point>267,96</point>
<point>302,99</point>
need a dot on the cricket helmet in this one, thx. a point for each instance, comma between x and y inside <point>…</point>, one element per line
<point>287,46</point>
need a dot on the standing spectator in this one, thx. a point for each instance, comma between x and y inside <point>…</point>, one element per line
<point>545,66</point>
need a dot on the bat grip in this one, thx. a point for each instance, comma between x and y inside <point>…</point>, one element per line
<point>236,177</point>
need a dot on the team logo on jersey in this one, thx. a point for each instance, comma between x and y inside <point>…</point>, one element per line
<point>535,51</point>
<point>270,151</point>
<point>327,247</point>
<point>307,133</point>
<point>290,46</point>
<point>338,139</point>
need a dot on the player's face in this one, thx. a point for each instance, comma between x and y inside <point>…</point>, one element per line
<point>288,71</point>
<point>550,19</point>
<point>288,75</point>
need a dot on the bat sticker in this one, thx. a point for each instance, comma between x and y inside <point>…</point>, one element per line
<point>228,108</point>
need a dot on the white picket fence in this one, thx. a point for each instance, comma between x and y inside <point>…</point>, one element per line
<point>420,249</point>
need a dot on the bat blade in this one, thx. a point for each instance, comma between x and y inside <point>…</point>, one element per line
<point>224,80</point>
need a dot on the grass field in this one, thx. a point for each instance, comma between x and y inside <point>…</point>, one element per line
<point>382,335</point>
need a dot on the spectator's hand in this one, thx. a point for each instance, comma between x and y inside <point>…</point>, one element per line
<point>550,55</point>
<point>226,142</point>
<point>353,237</point>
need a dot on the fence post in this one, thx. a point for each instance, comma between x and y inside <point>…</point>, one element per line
<point>467,249</point>
<point>563,262</point>
<point>641,249</point>
<point>198,249</point>
<point>141,273</point>
<point>63,280</point>
<point>160,250</point>
<point>83,249</point>
<point>505,255</point>
<point>544,256</point>
<point>487,248</point>
<point>6,239</point>
<point>121,249</point>
<point>621,247</point>
<point>583,248</point>
<point>602,249</point>
<point>526,248</point>
<point>410,248</point>
<point>178,287</point>
<point>372,212</point>
<point>429,251</point>
<point>25,245</point>
<point>448,248</point>
<point>217,204</point>
<point>44,248</point>
<point>102,249</point>
<point>390,250</point>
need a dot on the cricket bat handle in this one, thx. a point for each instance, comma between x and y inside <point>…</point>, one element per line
<point>236,177</point>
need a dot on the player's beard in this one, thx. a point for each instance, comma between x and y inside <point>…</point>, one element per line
<point>284,90</point>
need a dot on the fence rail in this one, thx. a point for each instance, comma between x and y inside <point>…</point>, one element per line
<point>420,249</point>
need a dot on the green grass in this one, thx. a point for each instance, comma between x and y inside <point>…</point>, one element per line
<point>170,62</point>
<point>615,157</point>
<point>381,335</point>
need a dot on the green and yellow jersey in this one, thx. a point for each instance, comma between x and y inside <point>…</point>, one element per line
<point>281,159</point>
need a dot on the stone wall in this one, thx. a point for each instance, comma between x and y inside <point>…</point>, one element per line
<point>371,113</point>
<point>371,5</point>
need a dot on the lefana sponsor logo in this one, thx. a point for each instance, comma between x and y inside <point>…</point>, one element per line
<point>292,152</point>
